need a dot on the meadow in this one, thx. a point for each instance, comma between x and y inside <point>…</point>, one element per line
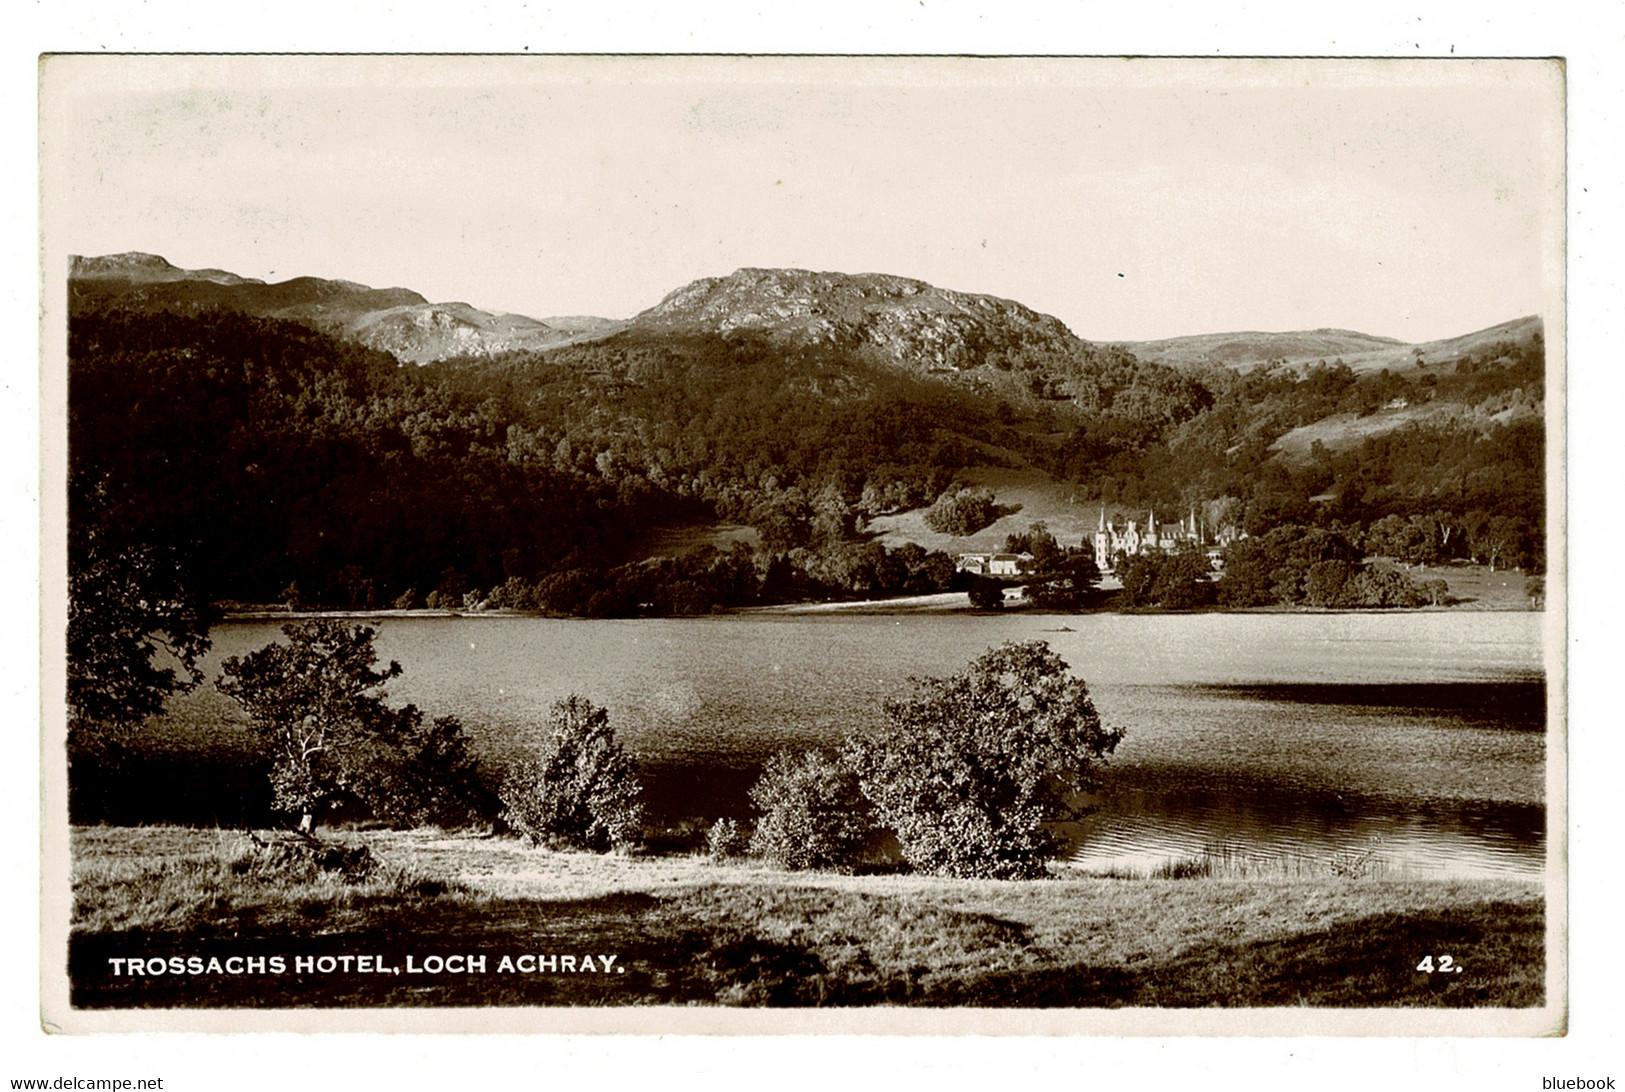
<point>688,930</point>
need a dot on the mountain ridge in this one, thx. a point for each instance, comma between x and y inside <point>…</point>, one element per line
<point>897,320</point>
<point>247,424</point>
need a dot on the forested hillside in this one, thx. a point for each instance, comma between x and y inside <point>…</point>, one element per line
<point>281,463</point>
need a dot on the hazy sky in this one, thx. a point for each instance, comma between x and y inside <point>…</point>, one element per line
<point>1131,199</point>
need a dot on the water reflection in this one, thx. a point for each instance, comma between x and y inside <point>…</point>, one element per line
<point>1310,834</point>
<point>1517,704</point>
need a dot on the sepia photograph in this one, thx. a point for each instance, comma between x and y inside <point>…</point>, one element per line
<point>997,545</point>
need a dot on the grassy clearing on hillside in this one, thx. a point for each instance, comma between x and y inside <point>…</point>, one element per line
<point>1039,497</point>
<point>686,931</point>
<point>1347,431</point>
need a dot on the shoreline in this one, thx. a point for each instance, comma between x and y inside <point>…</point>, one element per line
<point>938,603</point>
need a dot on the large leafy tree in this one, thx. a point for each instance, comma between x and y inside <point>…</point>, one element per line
<point>315,705</point>
<point>1064,581</point>
<point>416,772</point>
<point>971,768</point>
<point>137,626</point>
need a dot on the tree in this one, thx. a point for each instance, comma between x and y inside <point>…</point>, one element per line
<point>131,607</point>
<point>813,815</point>
<point>1138,575</point>
<point>1325,585</point>
<point>1498,541</point>
<point>418,773</point>
<point>1047,553</point>
<point>314,704</point>
<point>1248,579</point>
<point>1182,582</point>
<point>580,790</point>
<point>986,593</point>
<point>1064,581</point>
<point>971,767</point>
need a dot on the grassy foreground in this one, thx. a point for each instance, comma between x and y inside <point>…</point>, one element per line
<point>686,931</point>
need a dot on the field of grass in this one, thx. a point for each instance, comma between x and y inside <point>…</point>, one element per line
<point>1477,586</point>
<point>1035,496</point>
<point>684,930</point>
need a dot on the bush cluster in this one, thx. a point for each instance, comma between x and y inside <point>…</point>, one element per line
<point>1312,566</point>
<point>1063,578</point>
<point>1181,580</point>
<point>968,774</point>
<point>962,510</point>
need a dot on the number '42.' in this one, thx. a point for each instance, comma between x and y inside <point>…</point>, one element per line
<point>1445,965</point>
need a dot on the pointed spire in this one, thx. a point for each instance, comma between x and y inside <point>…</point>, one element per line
<point>1103,517</point>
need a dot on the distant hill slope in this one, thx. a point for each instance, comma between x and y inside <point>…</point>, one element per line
<point>894,320</point>
<point>395,320</point>
<point>1517,331</point>
<point>1250,348</point>
<point>1362,352</point>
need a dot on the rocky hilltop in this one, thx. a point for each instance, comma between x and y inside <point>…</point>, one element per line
<point>901,321</point>
<point>138,268</point>
<point>426,332</point>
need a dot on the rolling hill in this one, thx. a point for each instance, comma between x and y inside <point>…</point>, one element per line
<point>1362,352</point>
<point>1242,350</point>
<point>395,320</point>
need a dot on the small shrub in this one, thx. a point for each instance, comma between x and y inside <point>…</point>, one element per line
<point>304,860</point>
<point>812,813</point>
<point>1354,865</point>
<point>581,789</point>
<point>725,839</point>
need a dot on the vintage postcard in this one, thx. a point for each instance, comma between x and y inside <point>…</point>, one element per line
<point>862,544</point>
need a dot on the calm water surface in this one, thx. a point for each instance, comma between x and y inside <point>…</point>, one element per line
<point>1414,741</point>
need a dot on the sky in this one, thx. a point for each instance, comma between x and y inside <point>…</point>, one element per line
<point>1133,200</point>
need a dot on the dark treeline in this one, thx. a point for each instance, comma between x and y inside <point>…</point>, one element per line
<point>283,465</point>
